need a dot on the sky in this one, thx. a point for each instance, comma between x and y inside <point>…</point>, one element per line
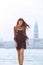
<point>11,10</point>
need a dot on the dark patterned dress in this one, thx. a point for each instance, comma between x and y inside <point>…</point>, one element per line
<point>21,40</point>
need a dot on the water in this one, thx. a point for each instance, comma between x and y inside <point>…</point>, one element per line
<point>31,57</point>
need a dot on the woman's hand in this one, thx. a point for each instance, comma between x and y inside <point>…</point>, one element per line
<point>15,44</point>
<point>27,41</point>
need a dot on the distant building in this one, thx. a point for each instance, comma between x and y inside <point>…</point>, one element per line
<point>36,42</point>
<point>1,43</point>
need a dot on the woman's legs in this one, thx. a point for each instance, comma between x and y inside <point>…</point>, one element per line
<point>21,56</point>
<point>18,51</point>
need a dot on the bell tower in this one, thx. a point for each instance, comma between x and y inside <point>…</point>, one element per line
<point>36,30</point>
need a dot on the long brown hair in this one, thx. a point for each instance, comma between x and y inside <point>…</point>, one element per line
<point>24,23</point>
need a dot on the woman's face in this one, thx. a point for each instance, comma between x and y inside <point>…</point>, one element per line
<point>20,23</point>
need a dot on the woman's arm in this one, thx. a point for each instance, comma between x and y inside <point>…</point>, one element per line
<point>15,36</point>
<point>14,33</point>
<point>27,39</point>
<point>25,33</point>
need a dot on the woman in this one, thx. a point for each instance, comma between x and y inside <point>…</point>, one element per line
<point>20,38</point>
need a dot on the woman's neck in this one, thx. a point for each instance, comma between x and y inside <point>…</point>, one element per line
<point>19,26</point>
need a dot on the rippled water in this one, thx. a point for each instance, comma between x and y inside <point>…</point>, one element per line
<point>31,57</point>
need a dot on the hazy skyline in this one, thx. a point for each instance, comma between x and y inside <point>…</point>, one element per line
<point>30,10</point>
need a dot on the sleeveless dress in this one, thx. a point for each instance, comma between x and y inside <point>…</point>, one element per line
<point>21,40</point>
